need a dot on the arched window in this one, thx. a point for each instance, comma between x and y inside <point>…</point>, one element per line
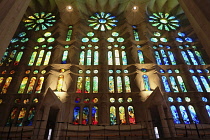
<point>124,58</point>
<point>82,58</point>
<point>1,80</point>
<point>89,56</point>
<point>76,115</point>
<point>117,57</point>
<point>111,84</point>
<point>39,85</point>
<point>47,58</point>
<point>146,82</point>
<point>194,61</point>
<point>205,83</point>
<point>171,57</point>
<point>131,115</point>
<point>181,84</point>
<point>60,83</point>
<point>69,33</point>
<point>157,58</point>
<point>184,55</point>
<point>12,116</point>
<point>113,120</point>
<point>87,84</point>
<point>95,115</point>
<point>184,114</point>
<point>31,85</point>
<point>95,84</point>
<point>64,58</point>
<point>40,57</point>
<point>135,34</point>
<point>165,83</point>
<point>85,115</point>
<point>127,84</point>
<point>197,84</point>
<point>175,114</point>
<point>23,85</point>
<point>141,56</point>
<point>122,115</point>
<point>193,114</point>
<point>33,57</point>
<point>110,59</point>
<point>79,85</point>
<point>208,109</point>
<point>96,57</point>
<point>6,85</point>
<point>173,84</point>
<point>119,84</point>
<point>18,58</point>
<point>21,117</point>
<point>200,59</point>
<point>31,115</point>
<point>164,57</point>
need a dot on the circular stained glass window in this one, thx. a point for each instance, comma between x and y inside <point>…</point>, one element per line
<point>187,99</point>
<point>181,34</point>
<point>176,71</point>
<point>191,71</point>
<point>179,39</point>
<point>118,71</point>
<point>169,71</point>
<point>12,72</point>
<point>120,100</point>
<point>120,39</point>
<point>47,34</point>
<point>27,71</point>
<point>115,34</point>
<point>85,39</point>
<point>163,39</point>
<point>154,39</point>
<point>36,71</point>
<point>110,71</point>
<point>90,34</point>
<point>77,100</point>
<point>112,100</point>
<point>129,100</point>
<point>80,71</point>
<point>88,71</point>
<point>95,39</point>
<point>35,100</point>
<point>170,99</point>
<point>125,71</point>
<point>162,71</point>
<point>204,99</point>
<point>43,71</point>
<point>188,39</point>
<point>86,100</point>
<point>51,39</point>
<point>95,100</point>
<point>24,40</point>
<point>95,71</point>
<point>110,39</point>
<point>40,40</point>
<point>157,34</point>
<point>179,99</point>
<point>199,71</point>
<point>22,34</point>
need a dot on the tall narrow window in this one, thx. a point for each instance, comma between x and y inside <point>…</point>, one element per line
<point>82,58</point>
<point>87,85</point>
<point>122,115</point>
<point>79,85</point>
<point>146,82</point>
<point>11,57</point>
<point>194,61</point>
<point>69,33</point>
<point>111,84</point>
<point>113,120</point>
<point>199,58</point>
<point>76,115</point>
<point>95,84</point>
<point>12,116</point>
<point>3,58</point>
<point>96,57</point>
<point>208,109</point>
<point>119,84</point>
<point>127,84</point>
<point>95,115</point>
<point>141,57</point>
<point>1,80</point>
<point>60,83</point>
<point>39,60</point>
<point>173,84</point>
<point>47,58</point>
<point>171,57</point>
<point>124,58</point>
<point>175,114</point>
<point>164,57</point>
<point>197,84</point>
<point>23,85</point>
<point>64,58</point>
<point>184,55</point>
<point>131,115</point>
<point>85,115</point>
<point>205,83</point>
<point>6,85</point>
<point>165,83</point>
<point>110,59</point>
<point>117,57</point>
<point>193,114</point>
<point>184,114</point>
<point>157,58</point>
<point>31,115</point>
<point>18,58</point>
<point>39,85</point>
<point>136,34</point>
<point>88,57</point>
<point>181,84</point>
<point>33,57</point>
<point>21,117</point>
<point>31,85</point>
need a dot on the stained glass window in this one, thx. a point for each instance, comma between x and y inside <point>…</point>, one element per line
<point>96,57</point>
<point>127,84</point>
<point>79,85</point>
<point>60,83</point>
<point>39,60</point>
<point>119,84</point>
<point>171,57</point>
<point>193,114</point>
<point>173,84</point>
<point>6,85</point>
<point>181,84</point>
<point>88,57</point>
<point>208,109</point>
<point>33,57</point>
<point>117,59</point>
<point>76,115</point>
<point>184,114</point>
<point>39,85</point>
<point>141,57</point>
<point>21,117</point>
<point>122,115</point>
<point>136,34</point>
<point>199,58</point>
<point>164,57</point>
<point>23,85</point>
<point>175,115</point>
<point>95,84</point>
<point>18,58</point>
<point>124,58</point>
<point>1,80</point>
<point>12,116</point>
<point>82,58</point>
<point>69,33</point>
<point>87,85</point>
<point>131,115</point>
<point>197,84</point>
<point>194,61</point>
<point>111,84</point>
<point>85,115</point>
<point>31,115</point>
<point>146,82</point>
<point>47,58</point>
<point>157,58</point>
<point>205,83</point>
<point>184,55</point>
<point>110,59</point>
<point>95,115</point>
<point>165,83</point>
<point>113,120</point>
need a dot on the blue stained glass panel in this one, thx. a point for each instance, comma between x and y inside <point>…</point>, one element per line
<point>175,114</point>
<point>146,82</point>
<point>85,115</point>
<point>194,61</point>
<point>197,84</point>
<point>141,57</point>
<point>165,83</point>
<point>82,58</point>
<point>184,114</point>
<point>157,57</point>
<point>208,109</point>
<point>170,99</point>
<point>193,114</point>
<point>164,56</point>
<point>173,84</point>
<point>181,84</point>
<point>200,59</point>
<point>171,57</point>
<point>205,83</point>
<point>184,55</point>
<point>76,115</point>
<point>113,120</point>
<point>204,99</point>
<point>124,58</point>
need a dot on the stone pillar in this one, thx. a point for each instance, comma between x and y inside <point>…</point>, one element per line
<point>11,13</point>
<point>164,122</point>
<point>198,15</point>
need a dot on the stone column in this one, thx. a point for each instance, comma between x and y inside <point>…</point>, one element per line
<point>198,14</point>
<point>164,122</point>
<point>11,13</point>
